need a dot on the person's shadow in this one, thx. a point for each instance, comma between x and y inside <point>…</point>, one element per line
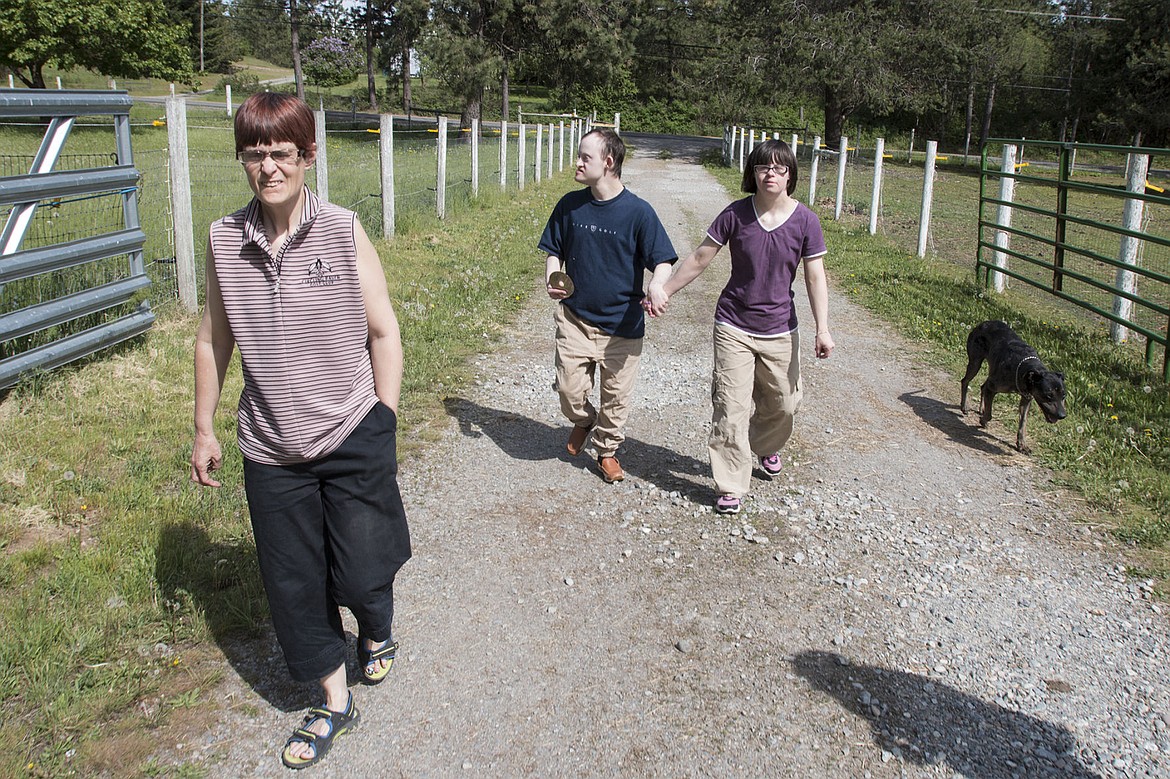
<point>522,438</point>
<point>929,723</point>
<point>952,422</point>
<point>222,581</point>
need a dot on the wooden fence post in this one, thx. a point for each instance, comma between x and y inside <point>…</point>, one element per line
<point>876,196</point>
<point>181,213</point>
<point>503,155</point>
<point>475,158</point>
<point>927,195</point>
<point>441,176</point>
<point>386,157</point>
<point>322,165</point>
<point>1136,169</point>
<point>1003,217</point>
<point>812,169</point>
<point>842,160</point>
<point>521,151</point>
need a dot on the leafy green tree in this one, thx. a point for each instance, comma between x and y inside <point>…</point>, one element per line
<point>263,28</point>
<point>212,40</point>
<point>459,49</point>
<point>331,62</point>
<point>1132,69</point>
<point>120,38</point>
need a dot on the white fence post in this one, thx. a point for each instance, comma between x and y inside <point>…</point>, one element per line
<point>475,158</point>
<point>548,162</point>
<point>322,158</point>
<point>1136,169</point>
<point>59,82</point>
<point>386,156</point>
<point>227,88</point>
<point>617,123</point>
<point>441,176</point>
<point>842,159</point>
<point>522,152</point>
<point>1003,217</point>
<point>561,147</point>
<point>927,195</point>
<point>503,155</point>
<point>11,81</point>
<point>795,140</point>
<point>180,176</point>
<point>743,131</point>
<point>910,151</point>
<point>875,198</point>
<point>812,169</point>
<point>539,151</point>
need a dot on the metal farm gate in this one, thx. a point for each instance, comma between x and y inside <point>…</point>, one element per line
<point>71,260</point>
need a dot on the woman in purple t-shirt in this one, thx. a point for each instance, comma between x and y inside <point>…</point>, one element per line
<point>756,344</point>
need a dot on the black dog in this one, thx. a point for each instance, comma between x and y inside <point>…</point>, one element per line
<point>1012,366</point>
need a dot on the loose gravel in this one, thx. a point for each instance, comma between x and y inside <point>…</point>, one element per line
<point>909,598</point>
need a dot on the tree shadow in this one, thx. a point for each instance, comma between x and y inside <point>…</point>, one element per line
<point>929,723</point>
<point>222,582</point>
<point>523,438</point>
<point>950,421</point>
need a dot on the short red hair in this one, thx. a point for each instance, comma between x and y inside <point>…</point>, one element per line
<point>272,117</point>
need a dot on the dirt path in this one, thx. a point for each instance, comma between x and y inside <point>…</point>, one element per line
<point>908,599</point>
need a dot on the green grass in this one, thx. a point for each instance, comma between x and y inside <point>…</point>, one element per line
<point>120,579</point>
<point>1114,447</point>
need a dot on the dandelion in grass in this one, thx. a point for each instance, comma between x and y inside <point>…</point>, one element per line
<point>1113,417</point>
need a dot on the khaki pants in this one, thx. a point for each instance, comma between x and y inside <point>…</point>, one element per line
<point>581,349</point>
<point>765,371</point>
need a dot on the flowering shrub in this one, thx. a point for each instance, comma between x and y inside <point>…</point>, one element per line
<point>331,62</point>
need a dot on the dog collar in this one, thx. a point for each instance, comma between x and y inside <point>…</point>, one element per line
<point>1021,365</point>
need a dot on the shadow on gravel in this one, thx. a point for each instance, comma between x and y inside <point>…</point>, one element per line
<point>928,723</point>
<point>522,438</point>
<point>949,420</point>
<point>222,581</point>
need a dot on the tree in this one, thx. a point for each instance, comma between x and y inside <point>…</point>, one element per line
<point>120,38</point>
<point>1132,69</point>
<point>212,39</point>
<point>263,28</point>
<point>461,53</point>
<point>331,62</point>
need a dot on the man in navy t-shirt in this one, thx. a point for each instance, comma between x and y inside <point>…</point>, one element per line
<point>605,238</point>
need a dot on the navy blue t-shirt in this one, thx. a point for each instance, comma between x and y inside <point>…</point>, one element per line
<point>607,246</point>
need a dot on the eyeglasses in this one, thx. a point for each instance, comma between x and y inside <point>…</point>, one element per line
<point>279,156</point>
<point>779,170</point>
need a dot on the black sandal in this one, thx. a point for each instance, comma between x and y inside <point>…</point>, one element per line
<point>367,656</point>
<point>340,723</point>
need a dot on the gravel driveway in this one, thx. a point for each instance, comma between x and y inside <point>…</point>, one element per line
<point>910,598</point>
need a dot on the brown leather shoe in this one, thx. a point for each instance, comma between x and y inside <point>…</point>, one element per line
<point>577,439</point>
<point>611,469</point>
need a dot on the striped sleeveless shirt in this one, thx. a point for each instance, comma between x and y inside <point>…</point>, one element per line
<point>300,323</point>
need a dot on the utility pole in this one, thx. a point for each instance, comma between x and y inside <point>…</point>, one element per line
<point>201,4</point>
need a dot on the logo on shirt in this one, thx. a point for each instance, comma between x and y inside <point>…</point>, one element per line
<point>320,274</point>
<point>593,228</point>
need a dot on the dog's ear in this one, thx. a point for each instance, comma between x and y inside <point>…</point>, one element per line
<point>1060,375</point>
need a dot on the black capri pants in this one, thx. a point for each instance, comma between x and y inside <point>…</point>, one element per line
<point>330,532</point>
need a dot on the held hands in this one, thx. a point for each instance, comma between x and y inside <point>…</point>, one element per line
<point>656,301</point>
<point>824,345</point>
<point>205,458</point>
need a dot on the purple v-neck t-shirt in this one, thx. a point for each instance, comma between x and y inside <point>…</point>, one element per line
<point>758,296</point>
